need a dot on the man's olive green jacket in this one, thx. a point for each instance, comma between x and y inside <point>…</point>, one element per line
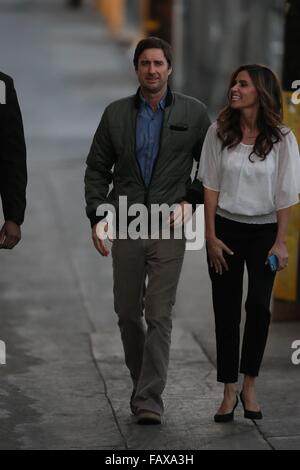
<point>112,157</point>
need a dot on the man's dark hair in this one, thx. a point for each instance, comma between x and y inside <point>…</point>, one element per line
<point>152,43</point>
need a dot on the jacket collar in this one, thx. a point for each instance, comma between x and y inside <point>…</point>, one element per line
<point>168,100</point>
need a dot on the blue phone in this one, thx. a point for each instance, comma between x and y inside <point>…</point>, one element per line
<point>273,263</point>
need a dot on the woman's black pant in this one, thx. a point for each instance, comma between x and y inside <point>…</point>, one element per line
<point>250,244</point>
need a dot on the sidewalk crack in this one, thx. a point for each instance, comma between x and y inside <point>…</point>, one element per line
<point>263,436</point>
<point>109,400</point>
<point>203,349</point>
<point>212,362</point>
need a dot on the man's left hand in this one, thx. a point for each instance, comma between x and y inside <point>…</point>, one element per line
<point>10,235</point>
<point>181,215</point>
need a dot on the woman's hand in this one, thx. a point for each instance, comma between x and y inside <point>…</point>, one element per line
<point>280,250</point>
<point>215,248</point>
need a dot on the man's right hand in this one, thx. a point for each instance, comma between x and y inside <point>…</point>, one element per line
<point>10,235</point>
<point>99,234</point>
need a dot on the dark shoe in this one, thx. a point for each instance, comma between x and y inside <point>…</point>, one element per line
<point>250,414</point>
<point>228,416</point>
<point>148,417</point>
<point>133,408</point>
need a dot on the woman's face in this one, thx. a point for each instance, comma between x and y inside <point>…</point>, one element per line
<point>243,94</point>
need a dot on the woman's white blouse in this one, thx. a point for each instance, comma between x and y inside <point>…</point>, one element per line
<point>251,190</point>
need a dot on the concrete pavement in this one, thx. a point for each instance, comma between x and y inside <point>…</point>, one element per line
<point>65,385</point>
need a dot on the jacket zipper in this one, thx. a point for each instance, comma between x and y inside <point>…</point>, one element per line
<point>155,163</point>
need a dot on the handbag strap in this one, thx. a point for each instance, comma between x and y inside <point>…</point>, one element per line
<point>197,170</point>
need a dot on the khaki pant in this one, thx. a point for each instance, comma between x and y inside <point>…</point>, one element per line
<point>146,275</point>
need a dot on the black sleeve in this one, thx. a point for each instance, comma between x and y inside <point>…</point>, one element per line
<point>13,171</point>
<point>98,174</point>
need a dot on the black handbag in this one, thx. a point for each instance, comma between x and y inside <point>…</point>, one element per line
<point>195,193</point>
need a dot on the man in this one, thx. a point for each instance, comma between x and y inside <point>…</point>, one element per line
<point>13,172</point>
<point>151,140</point>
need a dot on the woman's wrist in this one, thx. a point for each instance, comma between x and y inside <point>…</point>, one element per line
<point>281,241</point>
<point>210,236</point>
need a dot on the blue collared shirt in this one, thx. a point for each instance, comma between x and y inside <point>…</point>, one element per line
<point>148,130</point>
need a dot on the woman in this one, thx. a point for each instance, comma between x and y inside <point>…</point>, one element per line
<point>250,168</point>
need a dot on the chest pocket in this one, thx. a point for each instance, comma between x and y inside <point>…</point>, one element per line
<point>181,138</point>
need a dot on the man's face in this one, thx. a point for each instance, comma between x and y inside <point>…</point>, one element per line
<point>153,70</point>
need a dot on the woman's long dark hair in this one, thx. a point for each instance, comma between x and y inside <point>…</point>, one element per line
<point>269,117</point>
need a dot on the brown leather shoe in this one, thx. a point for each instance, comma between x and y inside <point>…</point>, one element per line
<point>148,417</point>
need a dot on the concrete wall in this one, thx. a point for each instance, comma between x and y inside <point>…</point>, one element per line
<point>219,35</point>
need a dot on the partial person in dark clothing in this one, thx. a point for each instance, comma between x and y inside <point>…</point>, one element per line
<point>13,171</point>
<point>74,3</point>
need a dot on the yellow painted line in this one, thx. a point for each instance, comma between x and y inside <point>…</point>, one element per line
<point>287,280</point>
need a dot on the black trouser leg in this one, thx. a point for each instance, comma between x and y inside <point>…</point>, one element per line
<point>258,314</point>
<point>250,244</point>
<point>227,292</point>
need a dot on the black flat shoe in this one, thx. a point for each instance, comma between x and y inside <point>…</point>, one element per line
<point>228,416</point>
<point>250,414</point>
